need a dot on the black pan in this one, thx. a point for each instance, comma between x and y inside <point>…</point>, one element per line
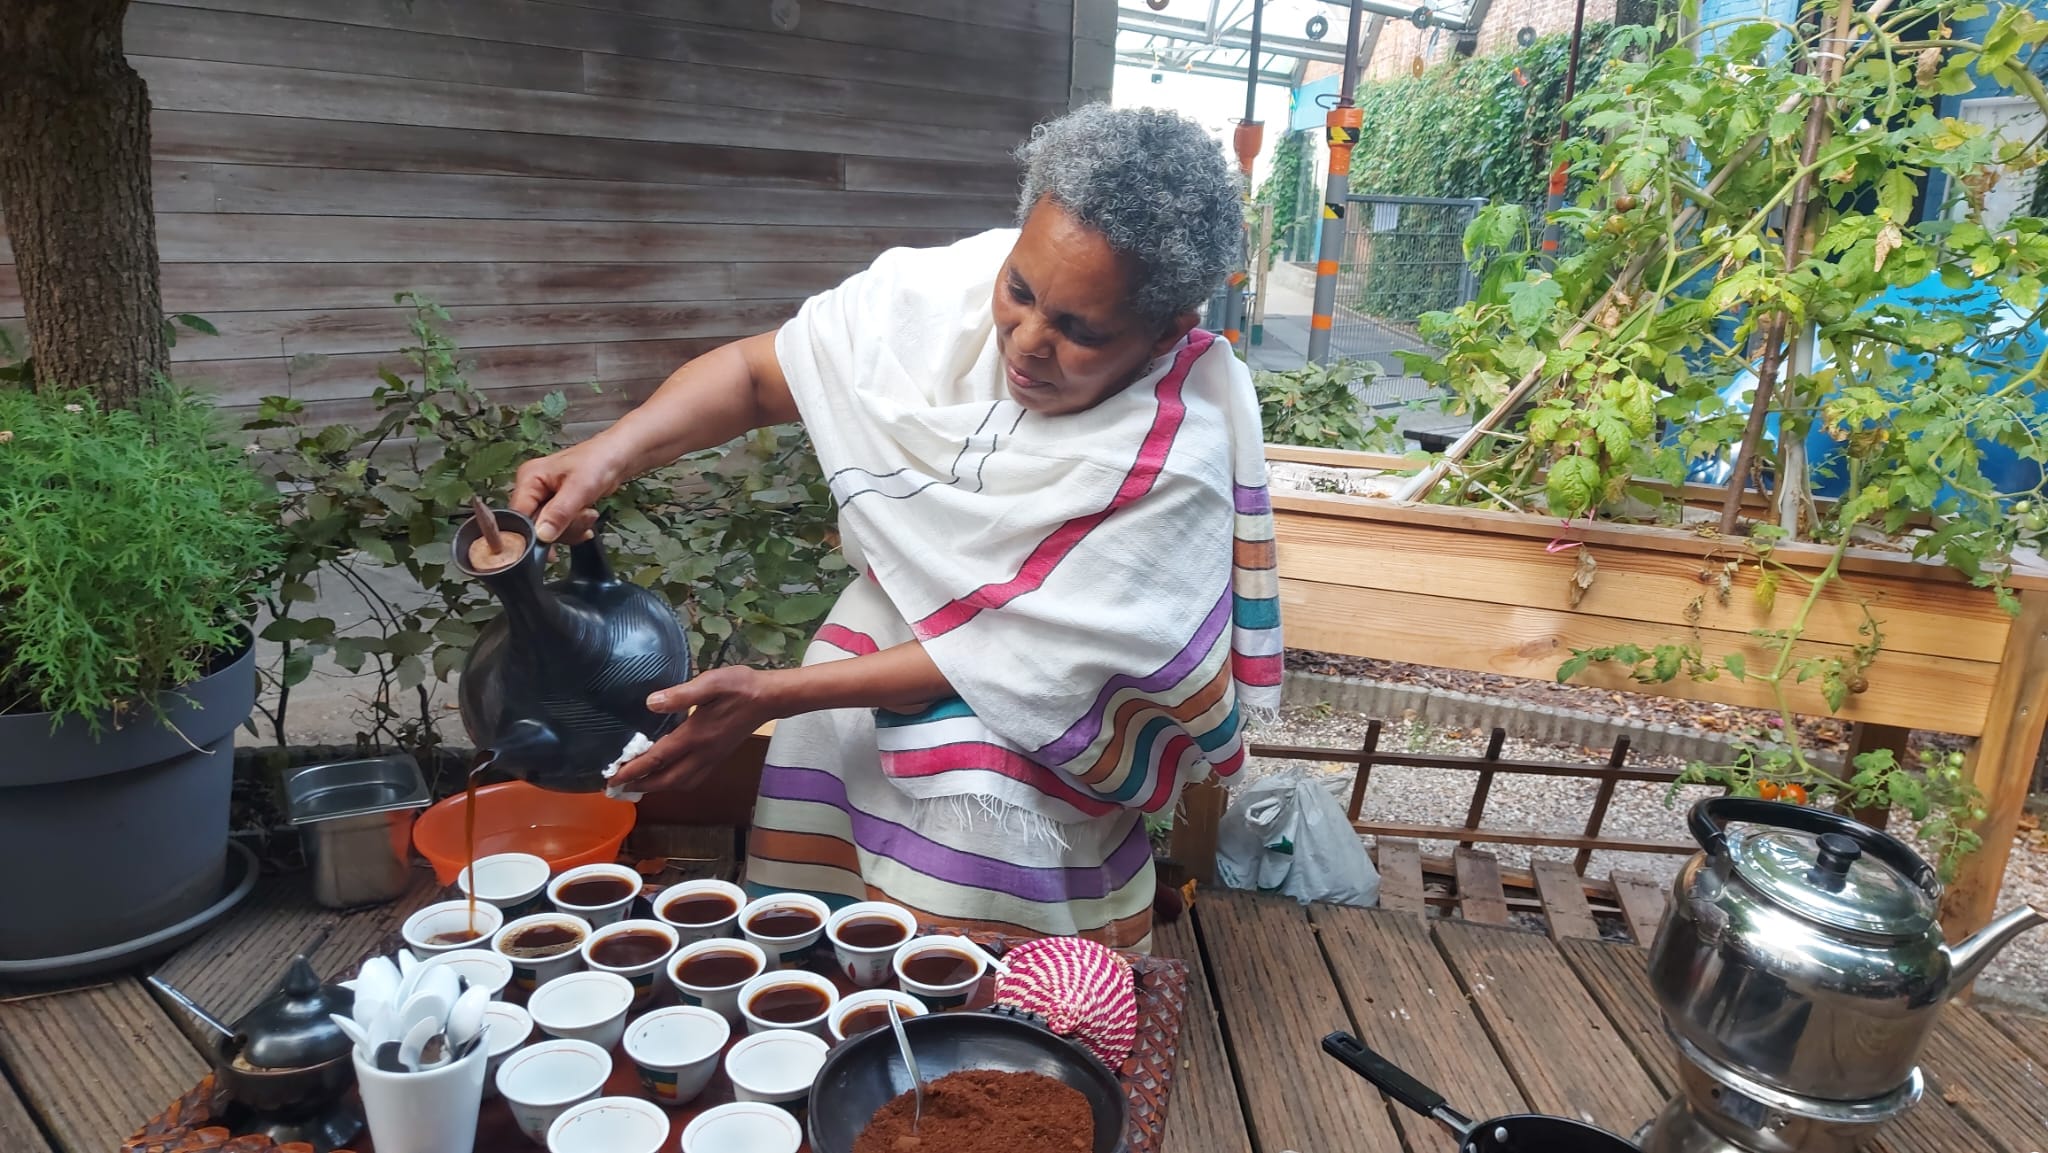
<point>1518,1133</point>
<point>865,1073</point>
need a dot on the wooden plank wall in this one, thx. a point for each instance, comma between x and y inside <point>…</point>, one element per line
<point>596,189</point>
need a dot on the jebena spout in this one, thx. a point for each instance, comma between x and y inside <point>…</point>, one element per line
<point>1968,958</point>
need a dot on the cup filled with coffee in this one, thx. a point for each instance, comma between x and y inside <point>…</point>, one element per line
<point>542,947</point>
<point>791,999</point>
<point>600,894</point>
<point>515,882</point>
<point>776,1068</point>
<point>940,971</point>
<point>675,1051</point>
<point>711,974</point>
<point>701,910</point>
<point>785,925</point>
<point>447,926</point>
<point>865,937</point>
<point>635,950</point>
<point>869,1009</point>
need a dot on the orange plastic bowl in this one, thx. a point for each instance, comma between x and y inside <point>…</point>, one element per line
<point>563,829</point>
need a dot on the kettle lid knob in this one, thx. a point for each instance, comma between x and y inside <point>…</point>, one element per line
<point>1831,866</point>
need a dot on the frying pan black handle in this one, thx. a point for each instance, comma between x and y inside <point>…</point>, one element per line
<point>1394,1081</point>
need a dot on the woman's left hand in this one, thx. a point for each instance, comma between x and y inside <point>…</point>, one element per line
<point>724,707</point>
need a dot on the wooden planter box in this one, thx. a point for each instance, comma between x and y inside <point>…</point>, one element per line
<point>1481,591</point>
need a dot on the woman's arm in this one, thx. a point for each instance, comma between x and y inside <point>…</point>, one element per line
<point>705,403</point>
<point>726,705</point>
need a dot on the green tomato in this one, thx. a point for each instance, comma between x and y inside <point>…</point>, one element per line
<point>2033,522</point>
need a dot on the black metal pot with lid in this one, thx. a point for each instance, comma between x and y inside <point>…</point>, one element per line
<point>1803,952</point>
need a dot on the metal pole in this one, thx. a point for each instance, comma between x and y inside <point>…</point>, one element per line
<point>1263,261</point>
<point>1343,124</point>
<point>1249,137</point>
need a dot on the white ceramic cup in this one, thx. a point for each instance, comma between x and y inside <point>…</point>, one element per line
<point>869,966</point>
<point>609,1125</point>
<point>776,1068</point>
<point>422,927</point>
<point>721,999</point>
<point>430,1112</point>
<point>907,1008</point>
<point>937,997</point>
<point>510,1028</point>
<point>743,1127</point>
<point>598,915</point>
<point>478,966</point>
<point>799,978</point>
<point>785,952</point>
<point>541,1082</point>
<point>515,882</point>
<point>583,1007</point>
<point>693,931</point>
<point>646,977</point>
<point>530,973</point>
<point>675,1051</point>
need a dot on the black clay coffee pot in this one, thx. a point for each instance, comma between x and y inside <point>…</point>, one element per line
<point>558,683</point>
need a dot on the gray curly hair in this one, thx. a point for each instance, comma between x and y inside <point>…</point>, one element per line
<point>1155,185</point>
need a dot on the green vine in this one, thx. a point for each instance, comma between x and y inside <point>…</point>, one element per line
<point>1282,189</point>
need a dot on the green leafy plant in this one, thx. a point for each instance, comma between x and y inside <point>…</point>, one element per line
<point>1282,190</point>
<point>134,545</point>
<point>1317,406</point>
<point>740,539</point>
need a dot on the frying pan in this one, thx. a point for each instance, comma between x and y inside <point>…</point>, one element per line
<point>1516,1133</point>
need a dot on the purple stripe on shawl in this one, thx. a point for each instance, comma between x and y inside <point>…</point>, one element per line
<point>1251,501</point>
<point>953,866</point>
<point>1083,733</point>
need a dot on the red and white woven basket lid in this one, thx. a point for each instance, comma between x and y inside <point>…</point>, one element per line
<point>1083,990</point>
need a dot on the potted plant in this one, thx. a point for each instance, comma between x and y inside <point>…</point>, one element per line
<point>134,543</point>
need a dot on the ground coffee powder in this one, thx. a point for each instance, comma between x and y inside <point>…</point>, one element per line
<point>983,1111</point>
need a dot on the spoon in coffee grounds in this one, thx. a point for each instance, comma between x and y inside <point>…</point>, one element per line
<point>910,1064</point>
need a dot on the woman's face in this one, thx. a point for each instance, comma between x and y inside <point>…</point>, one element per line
<point>1064,325</point>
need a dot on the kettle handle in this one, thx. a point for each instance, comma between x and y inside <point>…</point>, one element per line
<point>1708,819</point>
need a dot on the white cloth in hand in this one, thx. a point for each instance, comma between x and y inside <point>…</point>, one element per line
<point>639,744</point>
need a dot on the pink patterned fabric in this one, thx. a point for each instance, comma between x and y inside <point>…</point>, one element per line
<point>1084,991</point>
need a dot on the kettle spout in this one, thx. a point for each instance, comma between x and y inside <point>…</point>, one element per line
<point>1968,958</point>
<point>526,748</point>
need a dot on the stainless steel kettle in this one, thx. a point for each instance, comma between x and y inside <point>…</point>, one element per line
<point>1802,951</point>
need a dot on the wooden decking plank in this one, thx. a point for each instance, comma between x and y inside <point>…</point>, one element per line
<point>1564,900</point>
<point>1278,1000</point>
<point>1481,899</point>
<point>1409,1007</point>
<point>1204,1115</point>
<point>2029,1033</point>
<point>1618,977</point>
<point>96,1062</point>
<point>240,961</point>
<point>1642,904</point>
<point>1990,1080</point>
<point>1400,865</point>
<point>18,1132</point>
<point>1538,1013</point>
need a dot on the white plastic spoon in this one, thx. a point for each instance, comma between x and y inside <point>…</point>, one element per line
<point>415,1042</point>
<point>467,1017</point>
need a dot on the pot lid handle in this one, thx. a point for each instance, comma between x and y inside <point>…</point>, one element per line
<point>1709,818</point>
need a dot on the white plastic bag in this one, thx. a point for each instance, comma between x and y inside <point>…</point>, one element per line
<point>1286,834</point>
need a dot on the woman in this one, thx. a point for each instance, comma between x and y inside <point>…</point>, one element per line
<point>1053,486</point>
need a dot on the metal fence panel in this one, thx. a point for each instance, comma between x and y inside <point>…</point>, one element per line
<point>1403,256</point>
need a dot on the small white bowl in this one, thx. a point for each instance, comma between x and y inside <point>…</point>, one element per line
<point>676,1051</point>
<point>422,927</point>
<point>541,1082</point>
<point>645,977</point>
<point>692,931</point>
<point>776,1067</point>
<point>510,1028</point>
<point>908,1008</point>
<point>939,997</point>
<point>814,1025</point>
<point>785,952</point>
<point>530,973</point>
<point>743,1127</point>
<point>609,1125</point>
<point>583,1007</point>
<point>478,966</point>
<point>869,967</point>
<point>598,915</point>
<point>721,999</point>
<point>515,882</point>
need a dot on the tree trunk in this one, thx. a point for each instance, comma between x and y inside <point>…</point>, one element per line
<point>75,189</point>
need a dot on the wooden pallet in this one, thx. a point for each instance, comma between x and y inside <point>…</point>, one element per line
<point>1472,885</point>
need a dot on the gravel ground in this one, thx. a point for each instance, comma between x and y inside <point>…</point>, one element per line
<point>1639,810</point>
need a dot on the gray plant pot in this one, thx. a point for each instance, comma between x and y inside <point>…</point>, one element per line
<point>106,839</point>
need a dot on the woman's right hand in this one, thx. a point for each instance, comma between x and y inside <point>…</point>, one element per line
<point>560,491</point>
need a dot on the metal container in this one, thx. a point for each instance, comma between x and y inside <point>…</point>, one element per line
<point>356,818</point>
<point>1721,1112</point>
<point>1802,951</point>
